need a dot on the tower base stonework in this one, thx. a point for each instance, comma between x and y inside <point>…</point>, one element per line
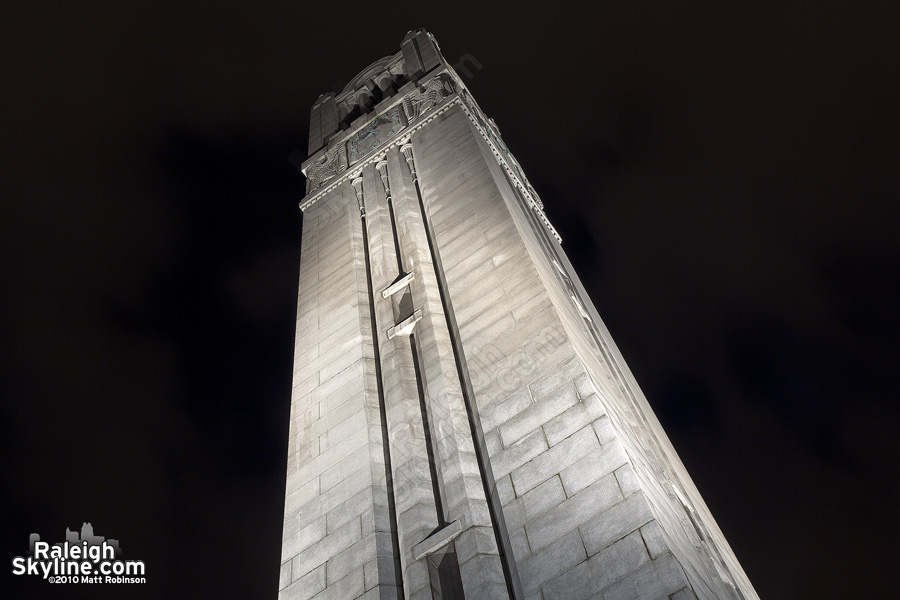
<point>462,424</point>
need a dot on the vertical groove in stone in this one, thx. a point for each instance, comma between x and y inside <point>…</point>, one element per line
<point>429,441</point>
<point>495,509</point>
<point>400,269</point>
<point>385,183</point>
<point>389,477</point>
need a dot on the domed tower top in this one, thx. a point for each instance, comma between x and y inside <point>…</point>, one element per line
<point>336,111</point>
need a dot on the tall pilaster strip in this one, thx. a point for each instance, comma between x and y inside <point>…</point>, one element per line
<point>381,166</point>
<point>386,448</point>
<point>487,479</point>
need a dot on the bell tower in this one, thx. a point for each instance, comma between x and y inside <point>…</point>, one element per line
<point>462,424</point>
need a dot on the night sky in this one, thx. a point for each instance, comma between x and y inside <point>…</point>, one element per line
<point>726,181</point>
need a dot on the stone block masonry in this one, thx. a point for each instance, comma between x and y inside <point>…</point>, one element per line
<point>462,424</point>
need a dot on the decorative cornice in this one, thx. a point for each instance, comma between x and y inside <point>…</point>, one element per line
<point>369,132</point>
<point>503,158</point>
<point>398,140</point>
<point>428,95</point>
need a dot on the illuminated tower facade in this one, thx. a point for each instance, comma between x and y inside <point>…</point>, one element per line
<point>462,424</point>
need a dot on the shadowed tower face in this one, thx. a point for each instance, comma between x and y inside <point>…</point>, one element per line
<point>462,424</point>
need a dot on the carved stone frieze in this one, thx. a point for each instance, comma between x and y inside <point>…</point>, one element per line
<point>426,96</point>
<point>327,166</point>
<point>492,133</point>
<point>314,195</point>
<point>375,133</point>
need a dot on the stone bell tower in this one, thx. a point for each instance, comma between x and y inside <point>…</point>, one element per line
<point>462,424</point>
